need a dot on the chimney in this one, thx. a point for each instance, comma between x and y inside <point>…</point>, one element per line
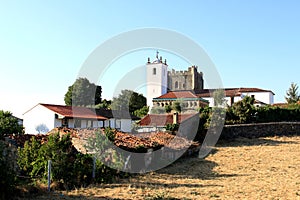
<point>175,118</point>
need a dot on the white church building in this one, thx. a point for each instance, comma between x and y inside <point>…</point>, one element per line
<point>165,86</point>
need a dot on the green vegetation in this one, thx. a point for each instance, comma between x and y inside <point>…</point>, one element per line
<point>141,112</point>
<point>292,95</point>
<point>9,124</point>
<point>69,167</point>
<point>244,111</point>
<point>129,100</point>
<point>172,127</point>
<point>83,93</point>
<point>7,173</point>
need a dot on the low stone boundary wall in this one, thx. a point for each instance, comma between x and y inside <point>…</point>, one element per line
<point>256,130</point>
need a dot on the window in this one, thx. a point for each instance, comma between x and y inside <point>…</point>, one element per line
<point>176,85</point>
<point>154,71</point>
<point>64,122</point>
<point>77,123</point>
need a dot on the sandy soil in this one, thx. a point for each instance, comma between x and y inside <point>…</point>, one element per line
<point>263,168</point>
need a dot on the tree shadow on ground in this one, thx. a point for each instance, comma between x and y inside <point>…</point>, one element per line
<point>243,141</point>
<point>193,168</point>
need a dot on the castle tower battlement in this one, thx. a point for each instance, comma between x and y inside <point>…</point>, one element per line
<point>160,80</point>
<point>189,79</point>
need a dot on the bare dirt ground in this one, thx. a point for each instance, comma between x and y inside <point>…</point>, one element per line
<point>262,168</point>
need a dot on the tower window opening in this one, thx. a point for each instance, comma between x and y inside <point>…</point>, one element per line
<point>154,71</point>
<point>176,84</point>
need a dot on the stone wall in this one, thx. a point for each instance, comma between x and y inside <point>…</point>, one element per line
<point>260,130</point>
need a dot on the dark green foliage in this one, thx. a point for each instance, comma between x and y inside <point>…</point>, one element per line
<point>83,93</point>
<point>7,174</point>
<point>110,133</point>
<point>242,111</point>
<point>292,95</point>
<point>141,112</point>
<point>28,156</point>
<point>277,114</point>
<point>172,127</point>
<point>104,104</point>
<point>104,151</point>
<point>176,106</point>
<point>9,124</point>
<point>128,100</point>
<point>168,108</point>
<point>68,166</point>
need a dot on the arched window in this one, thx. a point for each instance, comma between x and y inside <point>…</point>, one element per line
<point>176,85</point>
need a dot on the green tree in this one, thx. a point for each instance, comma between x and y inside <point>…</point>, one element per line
<point>242,111</point>
<point>168,108</point>
<point>141,112</point>
<point>83,93</point>
<point>104,104</point>
<point>177,106</point>
<point>9,124</point>
<point>292,95</point>
<point>128,100</point>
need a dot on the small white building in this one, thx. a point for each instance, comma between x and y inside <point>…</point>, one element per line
<point>50,116</point>
<point>232,95</point>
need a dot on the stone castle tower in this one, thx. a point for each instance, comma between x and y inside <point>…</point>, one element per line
<point>190,79</point>
<point>160,80</point>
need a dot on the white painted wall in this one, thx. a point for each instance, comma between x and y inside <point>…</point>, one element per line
<point>126,125</point>
<point>156,83</point>
<point>42,115</point>
<point>266,97</point>
<point>38,115</point>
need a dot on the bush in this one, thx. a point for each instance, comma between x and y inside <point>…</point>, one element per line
<point>68,166</point>
<point>104,151</point>
<point>9,124</point>
<point>172,127</point>
<point>110,133</point>
<point>7,174</point>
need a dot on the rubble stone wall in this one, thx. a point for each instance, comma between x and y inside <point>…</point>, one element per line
<point>260,130</point>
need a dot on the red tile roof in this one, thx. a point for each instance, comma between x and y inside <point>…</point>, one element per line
<point>163,119</point>
<point>178,94</point>
<point>74,112</point>
<point>231,92</point>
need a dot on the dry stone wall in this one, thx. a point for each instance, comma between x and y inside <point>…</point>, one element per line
<point>260,130</point>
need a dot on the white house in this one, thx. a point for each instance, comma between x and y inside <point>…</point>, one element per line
<point>232,95</point>
<point>51,116</point>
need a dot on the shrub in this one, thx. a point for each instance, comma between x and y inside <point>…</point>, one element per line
<point>68,166</point>
<point>7,174</point>
<point>110,133</point>
<point>9,124</point>
<point>172,127</point>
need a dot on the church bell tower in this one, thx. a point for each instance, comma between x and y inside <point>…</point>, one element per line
<point>157,78</point>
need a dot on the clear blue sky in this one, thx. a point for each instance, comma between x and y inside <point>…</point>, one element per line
<point>43,44</point>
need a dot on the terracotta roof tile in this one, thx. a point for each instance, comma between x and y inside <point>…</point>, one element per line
<point>230,92</point>
<point>178,94</point>
<point>163,119</point>
<point>74,112</point>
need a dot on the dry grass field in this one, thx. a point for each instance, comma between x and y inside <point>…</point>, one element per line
<point>262,168</point>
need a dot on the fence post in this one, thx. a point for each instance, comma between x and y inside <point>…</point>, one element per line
<point>49,174</point>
